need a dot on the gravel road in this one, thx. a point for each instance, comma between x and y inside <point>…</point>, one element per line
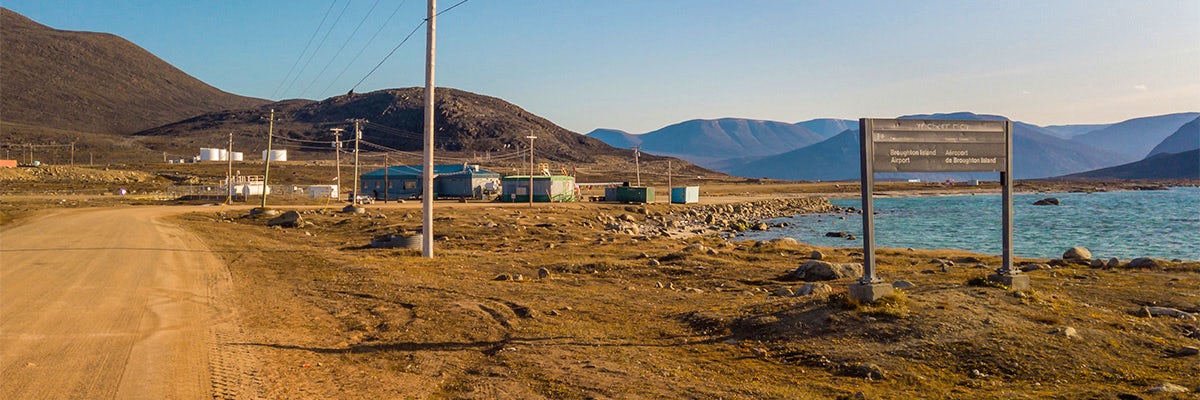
<point>107,303</point>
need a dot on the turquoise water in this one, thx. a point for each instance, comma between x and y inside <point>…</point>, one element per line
<point>1161,224</point>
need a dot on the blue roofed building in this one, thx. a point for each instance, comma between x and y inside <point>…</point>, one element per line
<point>454,181</point>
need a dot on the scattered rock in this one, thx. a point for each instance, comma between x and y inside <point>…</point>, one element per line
<point>543,273</point>
<point>785,240</point>
<point>1143,262</point>
<point>869,371</point>
<point>659,285</point>
<point>816,255</point>
<point>761,226</point>
<point>518,277</point>
<point>903,284</point>
<point>975,374</point>
<point>1077,254</point>
<point>695,247</point>
<point>784,291</point>
<point>1188,351</point>
<point>1114,262</point>
<point>290,219</point>
<point>1167,311</point>
<point>1049,201</point>
<point>1068,332</point>
<point>1167,387</point>
<point>712,252</point>
<point>837,234</point>
<point>693,290</point>
<point>502,277</point>
<point>1034,267</point>
<point>825,271</point>
<point>813,289</point>
<point>1098,263</point>
<point>653,263</point>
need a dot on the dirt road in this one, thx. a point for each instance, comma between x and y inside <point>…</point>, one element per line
<point>107,303</point>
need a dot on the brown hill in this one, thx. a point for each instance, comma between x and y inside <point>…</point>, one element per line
<point>94,82</point>
<point>466,122</point>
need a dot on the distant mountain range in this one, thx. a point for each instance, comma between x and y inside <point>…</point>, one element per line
<point>1070,131</point>
<point>1039,152</point>
<point>707,142</point>
<point>1132,140</point>
<point>1184,139</point>
<point>1183,165</point>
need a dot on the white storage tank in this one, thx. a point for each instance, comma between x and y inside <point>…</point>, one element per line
<point>224,155</point>
<point>236,156</point>
<point>276,155</point>
<point>207,154</point>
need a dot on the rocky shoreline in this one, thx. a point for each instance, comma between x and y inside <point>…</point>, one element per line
<point>717,219</point>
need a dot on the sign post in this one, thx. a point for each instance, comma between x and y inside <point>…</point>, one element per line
<point>917,145</point>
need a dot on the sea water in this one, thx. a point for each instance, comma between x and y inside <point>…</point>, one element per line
<point>1127,224</point>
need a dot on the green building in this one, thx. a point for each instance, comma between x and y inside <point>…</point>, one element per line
<point>546,188</point>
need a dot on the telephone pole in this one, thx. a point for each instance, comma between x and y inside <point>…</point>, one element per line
<point>337,159</point>
<point>637,166</point>
<point>72,154</point>
<point>427,173</point>
<point>531,137</point>
<point>267,163</point>
<point>229,173</point>
<point>357,138</point>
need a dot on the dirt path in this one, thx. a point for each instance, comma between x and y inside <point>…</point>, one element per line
<point>110,303</point>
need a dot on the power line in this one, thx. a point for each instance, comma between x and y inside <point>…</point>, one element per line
<point>402,42</point>
<point>364,48</point>
<point>342,47</point>
<point>319,45</point>
<point>301,56</point>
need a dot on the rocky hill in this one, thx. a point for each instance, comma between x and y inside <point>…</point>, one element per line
<point>466,122</point>
<point>94,82</point>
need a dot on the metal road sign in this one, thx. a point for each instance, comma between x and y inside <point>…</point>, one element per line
<point>916,145</point>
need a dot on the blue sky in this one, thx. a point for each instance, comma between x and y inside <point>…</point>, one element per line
<point>641,65</point>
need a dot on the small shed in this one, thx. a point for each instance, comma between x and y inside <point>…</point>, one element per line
<point>406,181</point>
<point>546,188</point>
<point>685,195</point>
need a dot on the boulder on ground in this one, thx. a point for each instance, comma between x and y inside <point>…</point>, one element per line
<point>816,255</point>
<point>1143,262</point>
<point>1114,262</point>
<point>811,289</point>
<point>1077,254</point>
<point>1167,387</point>
<point>825,271</point>
<point>290,219</point>
<point>1049,201</point>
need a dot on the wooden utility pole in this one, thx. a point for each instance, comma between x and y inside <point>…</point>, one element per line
<point>337,159</point>
<point>531,137</point>
<point>427,173</point>
<point>357,138</point>
<point>267,163</point>
<point>72,154</point>
<point>387,185</point>
<point>637,166</point>
<point>668,179</point>
<point>229,173</point>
